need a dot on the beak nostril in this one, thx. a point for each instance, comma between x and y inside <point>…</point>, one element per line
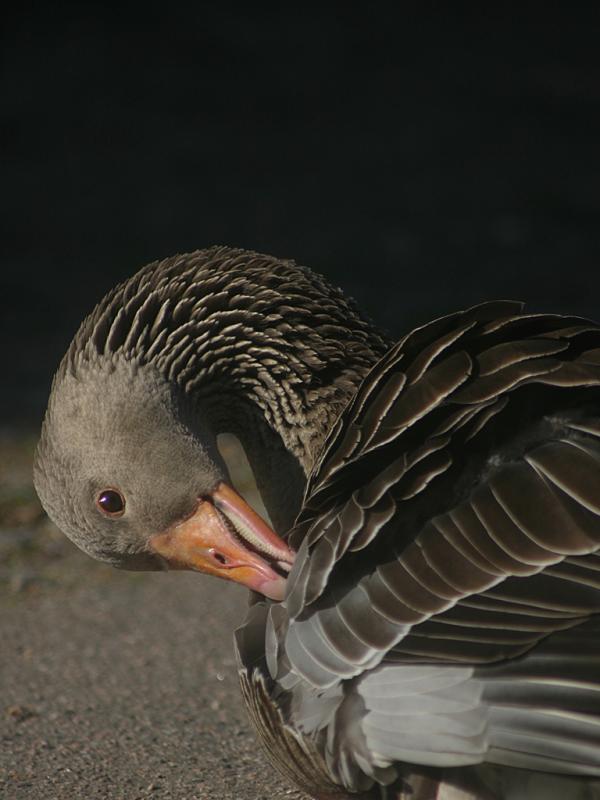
<point>219,557</point>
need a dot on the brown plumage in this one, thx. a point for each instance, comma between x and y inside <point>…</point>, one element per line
<point>440,623</point>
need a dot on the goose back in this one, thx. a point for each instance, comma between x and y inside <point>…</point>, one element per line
<point>441,607</point>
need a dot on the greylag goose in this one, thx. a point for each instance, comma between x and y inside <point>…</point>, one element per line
<point>424,623</point>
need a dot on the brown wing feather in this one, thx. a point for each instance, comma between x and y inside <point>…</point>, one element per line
<point>480,524</point>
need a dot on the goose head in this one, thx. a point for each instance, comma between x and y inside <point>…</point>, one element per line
<point>127,464</point>
<point>130,471</point>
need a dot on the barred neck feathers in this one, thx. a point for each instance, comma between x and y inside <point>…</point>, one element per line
<point>238,331</point>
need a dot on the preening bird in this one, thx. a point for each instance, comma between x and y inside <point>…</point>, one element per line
<point>424,611</point>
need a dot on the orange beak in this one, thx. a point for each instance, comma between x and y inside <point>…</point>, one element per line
<point>226,538</point>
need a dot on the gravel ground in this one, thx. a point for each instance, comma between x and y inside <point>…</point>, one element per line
<point>126,688</point>
<point>114,685</point>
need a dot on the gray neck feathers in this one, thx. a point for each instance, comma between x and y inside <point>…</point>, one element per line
<point>252,338</point>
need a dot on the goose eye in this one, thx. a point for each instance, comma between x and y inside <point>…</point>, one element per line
<point>111,502</point>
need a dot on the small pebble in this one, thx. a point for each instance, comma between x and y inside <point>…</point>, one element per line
<point>19,713</point>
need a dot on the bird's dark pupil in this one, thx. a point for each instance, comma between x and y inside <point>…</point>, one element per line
<point>110,502</point>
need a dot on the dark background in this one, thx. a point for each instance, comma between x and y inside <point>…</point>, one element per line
<point>422,159</point>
